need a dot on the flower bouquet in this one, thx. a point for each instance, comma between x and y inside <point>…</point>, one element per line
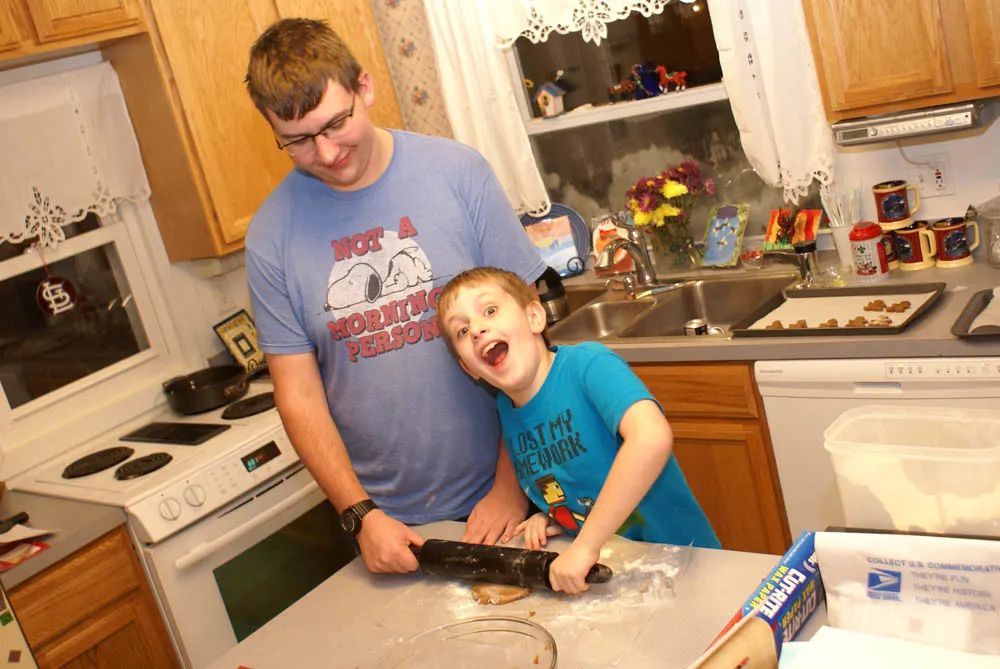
<point>662,204</point>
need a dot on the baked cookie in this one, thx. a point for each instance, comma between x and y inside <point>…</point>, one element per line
<point>857,322</point>
<point>831,323</point>
<point>799,325</point>
<point>875,305</point>
<point>776,325</point>
<point>880,322</point>
<point>898,307</point>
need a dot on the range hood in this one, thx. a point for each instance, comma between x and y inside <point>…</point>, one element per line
<point>929,121</point>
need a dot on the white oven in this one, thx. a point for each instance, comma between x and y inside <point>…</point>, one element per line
<point>230,526</point>
<point>228,575</point>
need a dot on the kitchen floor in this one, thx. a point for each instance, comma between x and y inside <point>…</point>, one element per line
<point>265,580</point>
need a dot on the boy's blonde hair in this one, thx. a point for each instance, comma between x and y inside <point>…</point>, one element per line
<point>509,282</point>
<point>291,64</point>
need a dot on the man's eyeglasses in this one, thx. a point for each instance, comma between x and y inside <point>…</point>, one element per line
<point>307,143</point>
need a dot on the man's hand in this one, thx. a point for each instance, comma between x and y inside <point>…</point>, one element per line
<point>537,531</point>
<point>568,571</point>
<point>496,516</point>
<point>385,544</point>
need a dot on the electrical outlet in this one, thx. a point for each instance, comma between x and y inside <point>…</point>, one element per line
<point>220,294</point>
<point>931,174</point>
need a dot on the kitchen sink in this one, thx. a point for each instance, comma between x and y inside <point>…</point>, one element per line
<point>721,302</point>
<point>600,318</point>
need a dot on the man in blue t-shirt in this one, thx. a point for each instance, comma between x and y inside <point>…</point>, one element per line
<point>345,260</point>
<point>590,444</point>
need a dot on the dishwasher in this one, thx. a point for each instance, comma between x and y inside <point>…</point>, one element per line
<point>802,398</point>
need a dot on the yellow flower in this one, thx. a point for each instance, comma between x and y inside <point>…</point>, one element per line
<point>666,211</point>
<point>640,217</point>
<point>673,189</point>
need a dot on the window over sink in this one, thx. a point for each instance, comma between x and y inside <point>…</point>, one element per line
<point>67,375</point>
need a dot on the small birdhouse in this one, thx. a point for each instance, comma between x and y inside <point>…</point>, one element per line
<point>549,99</point>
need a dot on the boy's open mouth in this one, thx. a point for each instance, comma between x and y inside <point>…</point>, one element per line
<point>495,353</point>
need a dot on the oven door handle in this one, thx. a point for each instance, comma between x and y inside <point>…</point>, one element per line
<point>207,548</point>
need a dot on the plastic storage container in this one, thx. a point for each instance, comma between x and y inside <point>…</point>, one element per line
<point>923,469</point>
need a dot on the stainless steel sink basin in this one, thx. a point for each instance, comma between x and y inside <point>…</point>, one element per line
<point>599,319</point>
<point>722,302</point>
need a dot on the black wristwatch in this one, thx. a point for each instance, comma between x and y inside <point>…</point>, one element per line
<point>350,519</point>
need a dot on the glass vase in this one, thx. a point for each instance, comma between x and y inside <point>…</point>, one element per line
<point>672,248</point>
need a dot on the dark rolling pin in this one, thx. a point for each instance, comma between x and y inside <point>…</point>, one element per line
<point>8,523</point>
<point>494,564</point>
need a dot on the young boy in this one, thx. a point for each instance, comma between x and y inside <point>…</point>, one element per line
<point>588,441</point>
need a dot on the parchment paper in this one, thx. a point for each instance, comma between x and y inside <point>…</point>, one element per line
<point>598,626</point>
<point>816,310</point>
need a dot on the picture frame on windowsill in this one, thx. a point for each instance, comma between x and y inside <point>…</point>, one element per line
<point>239,334</point>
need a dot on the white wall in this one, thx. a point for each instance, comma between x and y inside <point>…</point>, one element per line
<point>974,165</point>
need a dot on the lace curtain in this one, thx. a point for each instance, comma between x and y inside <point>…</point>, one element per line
<point>773,88</point>
<point>481,101</point>
<point>68,149</point>
<point>536,19</point>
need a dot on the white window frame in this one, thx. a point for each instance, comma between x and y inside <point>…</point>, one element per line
<point>99,402</point>
<point>632,109</point>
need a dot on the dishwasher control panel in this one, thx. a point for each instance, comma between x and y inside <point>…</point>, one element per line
<point>943,368</point>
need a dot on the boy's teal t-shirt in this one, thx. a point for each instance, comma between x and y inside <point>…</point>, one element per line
<point>564,441</point>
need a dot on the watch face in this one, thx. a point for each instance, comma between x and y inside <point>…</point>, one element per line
<point>348,521</point>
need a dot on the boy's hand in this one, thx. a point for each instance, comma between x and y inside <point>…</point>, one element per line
<point>568,571</point>
<point>385,544</point>
<point>537,531</point>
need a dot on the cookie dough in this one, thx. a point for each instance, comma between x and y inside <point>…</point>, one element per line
<point>492,593</point>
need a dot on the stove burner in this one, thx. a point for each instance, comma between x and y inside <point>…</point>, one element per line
<point>249,406</point>
<point>97,462</point>
<point>142,466</point>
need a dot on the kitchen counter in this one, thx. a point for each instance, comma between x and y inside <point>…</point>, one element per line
<point>930,336</point>
<point>352,618</point>
<point>76,524</point>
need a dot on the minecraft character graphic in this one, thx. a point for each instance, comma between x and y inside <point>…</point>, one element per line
<point>555,497</point>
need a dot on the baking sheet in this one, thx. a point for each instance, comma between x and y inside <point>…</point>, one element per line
<point>816,306</point>
<point>816,310</point>
<point>976,304</point>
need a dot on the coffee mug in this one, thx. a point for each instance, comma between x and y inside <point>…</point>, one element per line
<point>889,242</point>
<point>953,247</point>
<point>915,246</point>
<point>891,203</point>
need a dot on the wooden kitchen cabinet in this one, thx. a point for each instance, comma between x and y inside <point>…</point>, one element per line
<point>94,609</point>
<point>722,444</point>
<point>210,156</point>
<point>879,56</point>
<point>34,29</point>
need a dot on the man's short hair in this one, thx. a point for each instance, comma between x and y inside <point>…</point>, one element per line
<point>291,64</point>
<point>509,282</point>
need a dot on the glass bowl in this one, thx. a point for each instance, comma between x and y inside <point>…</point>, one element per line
<point>476,643</point>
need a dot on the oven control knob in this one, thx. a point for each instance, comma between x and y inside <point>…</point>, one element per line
<point>170,509</point>
<point>194,495</point>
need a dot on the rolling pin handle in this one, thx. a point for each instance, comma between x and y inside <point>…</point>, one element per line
<point>599,573</point>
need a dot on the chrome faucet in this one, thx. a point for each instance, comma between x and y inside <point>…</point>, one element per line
<point>644,275</point>
<point>804,257</point>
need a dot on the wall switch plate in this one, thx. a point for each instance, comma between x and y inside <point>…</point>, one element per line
<point>931,174</point>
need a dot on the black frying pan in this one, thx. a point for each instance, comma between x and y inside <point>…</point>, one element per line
<point>208,388</point>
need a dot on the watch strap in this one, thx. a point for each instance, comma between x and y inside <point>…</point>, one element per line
<point>359,510</point>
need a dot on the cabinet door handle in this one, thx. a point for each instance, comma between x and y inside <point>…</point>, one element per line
<point>207,548</point>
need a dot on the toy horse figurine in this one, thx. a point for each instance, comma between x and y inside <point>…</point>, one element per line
<point>677,79</point>
<point>623,90</point>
